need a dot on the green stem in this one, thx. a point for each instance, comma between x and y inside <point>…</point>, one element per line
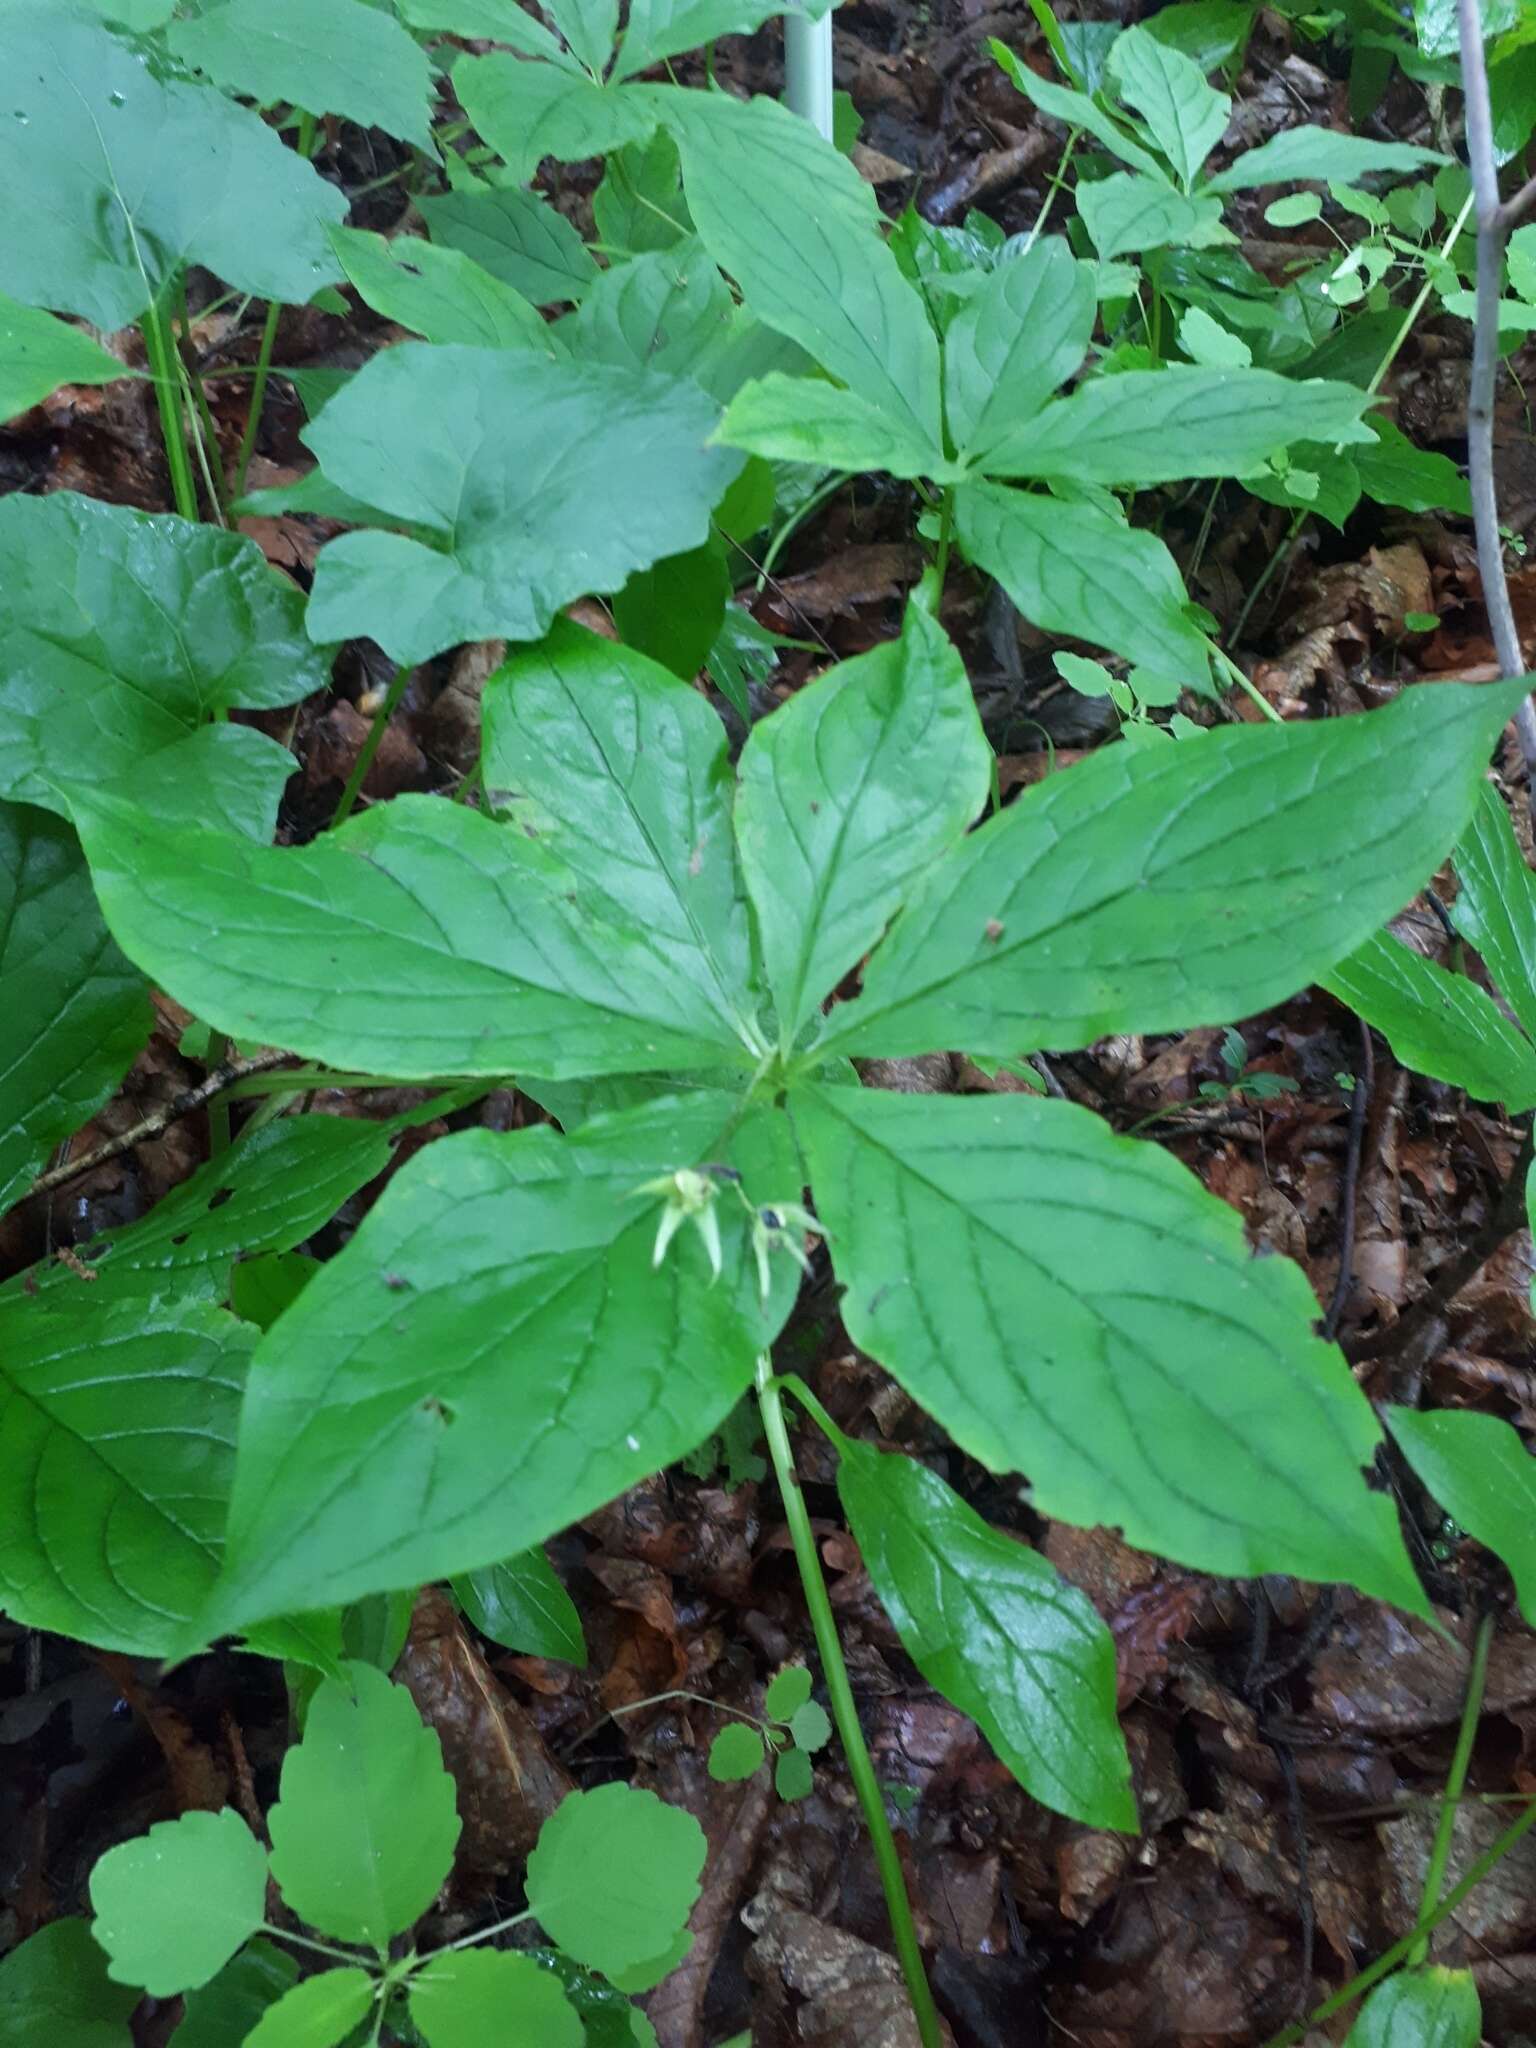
<point>1236,675</point>
<point>844,1711</point>
<point>157,351</point>
<point>1445,1827</point>
<point>205,435</point>
<point>321,1948</point>
<point>1417,307</point>
<point>941,560</point>
<point>1389,1959</point>
<point>306,145</point>
<point>370,746</point>
<point>218,1107</point>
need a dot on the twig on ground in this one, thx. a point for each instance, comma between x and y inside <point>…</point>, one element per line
<point>222,1077</point>
<point>1493,223</point>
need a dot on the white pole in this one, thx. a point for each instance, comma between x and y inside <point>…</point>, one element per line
<point>808,69</point>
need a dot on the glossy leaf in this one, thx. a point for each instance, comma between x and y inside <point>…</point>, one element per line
<point>800,419</point>
<point>1151,426</point>
<point>526,112</point>
<point>95,161</point>
<point>994,1628</point>
<point>121,632</point>
<point>614,1876</point>
<point>1480,1471</point>
<point>835,828</point>
<point>54,1988</point>
<point>279,1184</point>
<point>1126,214</point>
<point>1395,472</point>
<point>76,1013</point>
<point>1024,332</point>
<point>518,237</point>
<point>1496,909</point>
<point>1076,569</point>
<point>328,56</point>
<point>822,276</point>
<point>1170,1385</point>
<point>537,481</point>
<point>224,777</point>
<point>438,292</point>
<point>673,611</point>
<point>422,939</point>
<point>1323,153</point>
<point>1437,1023</point>
<point>118,1426</point>
<point>1154,889</point>
<point>520,1604</point>
<point>319,2013</point>
<point>1425,2008</point>
<point>39,353</point>
<point>467,1999</point>
<point>172,1906</point>
<point>365,1824</point>
<point>497,1278</point>
<point>1184,115</point>
<point>620,771</point>
<point>226,2009</point>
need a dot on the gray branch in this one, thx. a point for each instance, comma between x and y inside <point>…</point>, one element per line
<point>1493,223</point>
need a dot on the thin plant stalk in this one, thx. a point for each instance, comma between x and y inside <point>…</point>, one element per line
<point>845,1713</point>
<point>1492,227</point>
<point>1445,1826</point>
<point>946,533</point>
<point>1400,1950</point>
<point>306,144</point>
<point>204,434</point>
<point>808,70</point>
<point>370,746</point>
<point>158,353</point>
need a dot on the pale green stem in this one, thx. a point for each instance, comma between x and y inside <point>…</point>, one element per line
<point>808,70</point>
<point>158,353</point>
<point>1237,676</point>
<point>1445,1827</point>
<point>370,746</point>
<point>845,1712</point>
<point>306,144</point>
<point>321,1948</point>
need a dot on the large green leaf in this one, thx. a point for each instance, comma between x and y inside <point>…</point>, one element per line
<point>835,825</point>
<point>439,292</point>
<point>76,1013</point>
<point>801,419</point>
<point>666,310</point>
<point>520,1604</point>
<point>992,1625</point>
<point>1074,1305</point>
<point>365,1823</point>
<point>1023,332</point>
<point>494,1349</point>
<point>526,112</point>
<point>537,482</point>
<point>517,236</point>
<point>620,770</point>
<point>328,56</point>
<point>1496,909</point>
<point>118,1426</point>
<point>820,274</point>
<point>115,177</point>
<point>465,2000</point>
<point>1438,1023</point>
<point>54,1988</point>
<point>1151,889</point>
<point>1152,426</point>
<point>421,939</point>
<point>1076,569</point>
<point>39,353</point>
<point>121,632</point>
<point>172,1906</point>
<point>658,29</point>
<point>1481,1473</point>
<point>498,21</point>
<point>223,776</point>
<point>614,1876</point>
<point>1126,214</point>
<point>1307,152</point>
<point>1185,116</point>
<point>280,1183</point>
<point>1425,2008</point>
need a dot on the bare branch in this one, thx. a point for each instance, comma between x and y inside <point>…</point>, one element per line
<point>1492,224</point>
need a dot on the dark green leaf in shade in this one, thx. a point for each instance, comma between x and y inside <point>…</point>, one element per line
<point>1478,1468</point>
<point>1425,2008</point>
<point>737,1752</point>
<point>517,236</point>
<point>520,1604</point>
<point>54,1989</point>
<point>224,2011</point>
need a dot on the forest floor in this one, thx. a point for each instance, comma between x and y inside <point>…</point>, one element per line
<point>1288,1741</point>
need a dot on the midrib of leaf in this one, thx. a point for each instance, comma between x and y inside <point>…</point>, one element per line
<point>979,1225</point>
